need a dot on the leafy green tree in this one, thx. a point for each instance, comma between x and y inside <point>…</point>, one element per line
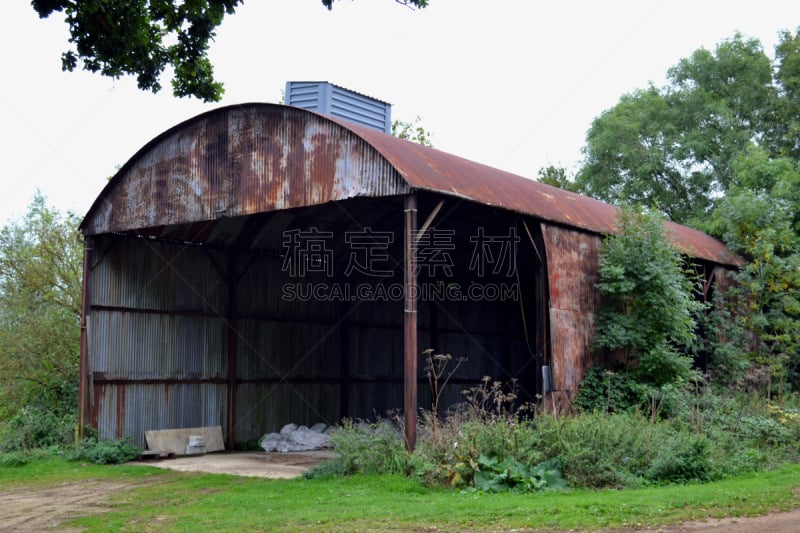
<point>628,158</point>
<point>143,37</point>
<point>557,177</point>
<point>766,299</point>
<point>647,310</point>
<point>674,148</point>
<point>40,295</point>
<point>784,134</point>
<point>412,131</point>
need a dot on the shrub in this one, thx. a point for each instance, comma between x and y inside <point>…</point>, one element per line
<point>369,448</point>
<point>104,452</point>
<point>489,423</point>
<point>647,310</point>
<point>680,458</point>
<point>35,427</point>
<point>334,467</point>
<point>599,450</point>
<point>608,391</point>
<point>12,459</point>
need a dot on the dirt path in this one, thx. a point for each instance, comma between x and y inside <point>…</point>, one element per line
<point>29,509</point>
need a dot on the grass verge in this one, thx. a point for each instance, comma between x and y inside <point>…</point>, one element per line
<point>204,502</point>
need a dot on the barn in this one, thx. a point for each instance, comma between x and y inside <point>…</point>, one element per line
<point>261,264</point>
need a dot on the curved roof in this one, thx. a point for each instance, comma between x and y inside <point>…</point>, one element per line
<point>251,158</point>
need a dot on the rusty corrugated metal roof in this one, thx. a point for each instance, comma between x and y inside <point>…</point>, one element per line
<point>433,170</point>
<point>251,158</point>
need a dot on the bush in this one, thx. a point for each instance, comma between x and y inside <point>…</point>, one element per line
<point>12,459</point>
<point>608,391</point>
<point>599,450</point>
<point>334,467</point>
<point>681,458</point>
<point>489,423</point>
<point>104,452</point>
<point>369,448</point>
<point>35,427</point>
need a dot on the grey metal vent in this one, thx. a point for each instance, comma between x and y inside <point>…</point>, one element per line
<point>339,102</point>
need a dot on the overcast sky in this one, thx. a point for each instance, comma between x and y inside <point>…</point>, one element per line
<point>514,84</point>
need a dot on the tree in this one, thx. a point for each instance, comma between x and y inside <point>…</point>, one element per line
<point>143,37</point>
<point>647,311</point>
<point>674,148</point>
<point>766,299</point>
<point>412,131</point>
<point>557,177</point>
<point>40,296</point>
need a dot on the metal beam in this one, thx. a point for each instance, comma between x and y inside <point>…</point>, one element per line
<point>83,385</point>
<point>410,323</point>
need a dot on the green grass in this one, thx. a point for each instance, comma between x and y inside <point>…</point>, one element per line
<point>206,502</point>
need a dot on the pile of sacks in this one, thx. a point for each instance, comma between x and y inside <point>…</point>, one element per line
<point>294,438</point>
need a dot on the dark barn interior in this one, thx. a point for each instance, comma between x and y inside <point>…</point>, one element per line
<point>307,343</point>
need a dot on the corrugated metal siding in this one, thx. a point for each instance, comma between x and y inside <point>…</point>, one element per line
<point>135,346</point>
<point>157,337</point>
<point>131,409</point>
<point>150,275</point>
<point>266,407</point>
<point>572,262</point>
<point>429,169</point>
<point>241,160</point>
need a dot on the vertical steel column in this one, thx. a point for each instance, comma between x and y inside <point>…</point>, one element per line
<point>410,323</point>
<point>83,385</point>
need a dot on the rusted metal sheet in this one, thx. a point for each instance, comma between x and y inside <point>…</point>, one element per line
<point>572,266</point>
<point>429,169</point>
<point>240,160</point>
<point>253,158</point>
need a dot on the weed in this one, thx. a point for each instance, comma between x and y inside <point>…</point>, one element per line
<point>369,448</point>
<point>12,459</point>
<point>104,452</point>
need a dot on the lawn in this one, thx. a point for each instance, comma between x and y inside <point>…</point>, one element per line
<point>170,501</point>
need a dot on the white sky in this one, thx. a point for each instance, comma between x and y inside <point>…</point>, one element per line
<point>514,84</point>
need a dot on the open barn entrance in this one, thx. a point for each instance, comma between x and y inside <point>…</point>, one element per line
<point>297,315</point>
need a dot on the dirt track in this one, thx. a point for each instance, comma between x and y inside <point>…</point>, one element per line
<point>41,509</point>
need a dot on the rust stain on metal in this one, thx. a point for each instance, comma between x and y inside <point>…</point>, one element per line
<point>240,160</point>
<point>572,266</point>
<point>252,158</point>
<point>429,169</point>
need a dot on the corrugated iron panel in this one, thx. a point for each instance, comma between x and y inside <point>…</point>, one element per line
<point>572,265</point>
<point>240,160</point>
<point>131,409</point>
<point>261,293</point>
<point>134,346</point>
<point>266,407</point>
<point>287,350</point>
<point>168,277</point>
<point>429,169</point>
